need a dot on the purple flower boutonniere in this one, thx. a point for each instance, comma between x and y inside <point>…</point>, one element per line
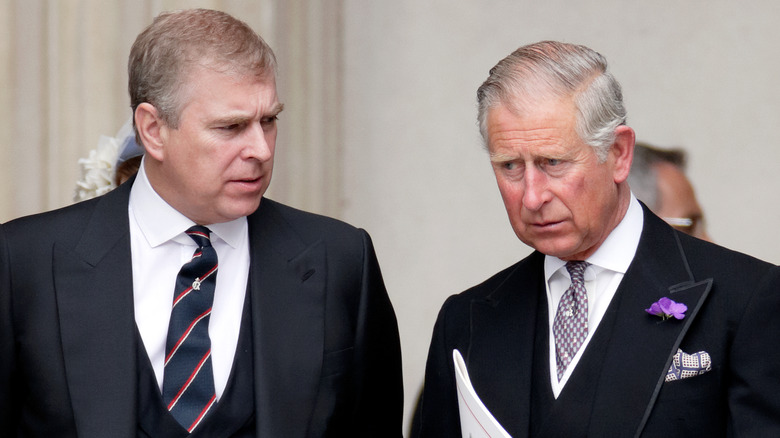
<point>667,308</point>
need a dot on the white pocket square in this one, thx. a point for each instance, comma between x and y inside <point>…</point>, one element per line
<point>686,365</point>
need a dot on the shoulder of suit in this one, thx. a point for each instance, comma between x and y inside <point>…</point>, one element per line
<point>719,260</point>
<point>706,256</point>
<point>54,221</point>
<point>304,222</point>
<point>524,271</point>
<point>68,224</point>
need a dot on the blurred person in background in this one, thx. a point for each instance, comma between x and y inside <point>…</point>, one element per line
<point>658,179</point>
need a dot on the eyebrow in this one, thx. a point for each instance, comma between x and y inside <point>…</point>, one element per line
<point>276,109</point>
<point>241,118</point>
<point>501,158</point>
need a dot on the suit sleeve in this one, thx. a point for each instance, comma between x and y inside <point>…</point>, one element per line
<point>8,390</point>
<point>754,403</point>
<point>437,411</point>
<point>378,386</point>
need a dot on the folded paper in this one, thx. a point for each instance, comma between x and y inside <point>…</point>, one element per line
<point>476,421</point>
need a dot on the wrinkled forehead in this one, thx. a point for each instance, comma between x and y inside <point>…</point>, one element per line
<point>548,131</point>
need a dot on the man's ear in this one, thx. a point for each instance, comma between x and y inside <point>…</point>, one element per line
<point>622,152</point>
<point>151,129</point>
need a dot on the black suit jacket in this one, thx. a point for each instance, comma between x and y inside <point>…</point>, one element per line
<point>733,313</point>
<point>326,346</point>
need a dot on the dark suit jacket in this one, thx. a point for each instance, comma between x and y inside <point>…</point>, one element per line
<point>326,347</point>
<point>733,313</point>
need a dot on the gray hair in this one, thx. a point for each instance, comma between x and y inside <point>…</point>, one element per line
<point>643,178</point>
<point>166,51</point>
<point>558,70</point>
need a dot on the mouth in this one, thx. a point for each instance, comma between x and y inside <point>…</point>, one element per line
<point>545,225</point>
<point>248,183</point>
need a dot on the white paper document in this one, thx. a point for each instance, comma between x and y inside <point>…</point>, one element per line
<point>475,419</point>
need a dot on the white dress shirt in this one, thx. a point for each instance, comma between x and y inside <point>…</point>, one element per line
<point>159,248</point>
<point>607,267</point>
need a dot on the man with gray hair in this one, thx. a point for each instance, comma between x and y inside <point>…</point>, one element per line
<point>618,324</point>
<point>658,179</point>
<point>184,303</point>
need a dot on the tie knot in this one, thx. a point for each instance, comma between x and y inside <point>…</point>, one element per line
<point>201,235</point>
<point>576,269</point>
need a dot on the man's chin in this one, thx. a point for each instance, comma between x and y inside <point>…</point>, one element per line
<point>236,210</point>
<point>553,247</point>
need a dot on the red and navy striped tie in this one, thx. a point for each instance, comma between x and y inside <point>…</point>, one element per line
<point>188,380</point>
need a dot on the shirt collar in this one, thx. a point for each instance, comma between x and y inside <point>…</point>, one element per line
<point>159,222</point>
<point>618,249</point>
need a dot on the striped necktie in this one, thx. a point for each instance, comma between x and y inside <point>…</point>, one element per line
<point>188,379</point>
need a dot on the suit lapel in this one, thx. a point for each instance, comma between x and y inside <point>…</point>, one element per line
<point>287,292</point>
<point>500,357</point>
<point>93,285</point>
<point>642,345</point>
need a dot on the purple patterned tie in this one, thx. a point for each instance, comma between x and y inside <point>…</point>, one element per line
<point>188,379</point>
<point>570,326</point>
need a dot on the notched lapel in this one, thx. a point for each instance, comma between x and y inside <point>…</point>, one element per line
<point>95,305</point>
<point>499,357</point>
<point>638,357</point>
<point>93,284</point>
<point>287,285</point>
<point>643,345</point>
<point>693,294</point>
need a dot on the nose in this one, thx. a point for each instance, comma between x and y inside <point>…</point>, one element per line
<point>259,143</point>
<point>536,192</point>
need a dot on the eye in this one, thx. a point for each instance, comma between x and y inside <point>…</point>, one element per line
<point>269,120</point>
<point>555,167</point>
<point>232,127</point>
<point>512,169</point>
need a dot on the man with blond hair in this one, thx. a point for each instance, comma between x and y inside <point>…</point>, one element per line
<point>184,303</point>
